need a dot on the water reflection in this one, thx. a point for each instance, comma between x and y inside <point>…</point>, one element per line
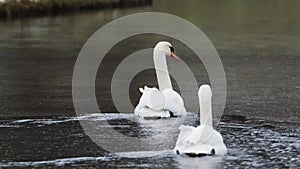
<point>198,162</point>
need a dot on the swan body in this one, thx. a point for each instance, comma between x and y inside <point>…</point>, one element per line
<point>201,140</point>
<point>163,102</point>
<point>154,103</point>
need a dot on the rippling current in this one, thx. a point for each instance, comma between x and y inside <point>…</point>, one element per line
<point>61,142</point>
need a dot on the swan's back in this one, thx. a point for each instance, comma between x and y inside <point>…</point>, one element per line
<point>200,140</point>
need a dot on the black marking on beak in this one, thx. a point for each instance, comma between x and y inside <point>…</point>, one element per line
<point>172,49</point>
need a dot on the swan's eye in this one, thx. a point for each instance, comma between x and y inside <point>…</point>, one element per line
<point>172,49</point>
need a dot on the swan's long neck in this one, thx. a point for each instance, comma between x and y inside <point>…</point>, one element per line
<point>205,110</point>
<point>161,68</point>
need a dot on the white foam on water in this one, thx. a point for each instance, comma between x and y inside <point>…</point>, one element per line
<point>9,126</point>
<point>143,154</point>
<point>23,121</point>
<point>57,162</point>
<point>88,117</point>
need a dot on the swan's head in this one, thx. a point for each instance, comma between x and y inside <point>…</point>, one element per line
<point>167,48</point>
<point>204,92</point>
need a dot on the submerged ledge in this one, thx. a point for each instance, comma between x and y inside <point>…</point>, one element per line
<point>26,8</point>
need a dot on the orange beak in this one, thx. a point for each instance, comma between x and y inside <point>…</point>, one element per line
<point>174,56</point>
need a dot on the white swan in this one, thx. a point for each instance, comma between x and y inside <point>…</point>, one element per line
<point>164,102</point>
<point>201,140</point>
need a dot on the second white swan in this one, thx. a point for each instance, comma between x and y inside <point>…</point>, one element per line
<point>162,102</point>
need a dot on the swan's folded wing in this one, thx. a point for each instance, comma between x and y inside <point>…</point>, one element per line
<point>184,133</point>
<point>174,102</point>
<point>145,99</point>
<point>200,134</point>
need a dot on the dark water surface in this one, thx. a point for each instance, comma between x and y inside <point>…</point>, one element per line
<point>258,43</point>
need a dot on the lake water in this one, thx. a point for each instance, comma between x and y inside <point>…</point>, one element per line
<point>61,142</point>
<point>258,43</point>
